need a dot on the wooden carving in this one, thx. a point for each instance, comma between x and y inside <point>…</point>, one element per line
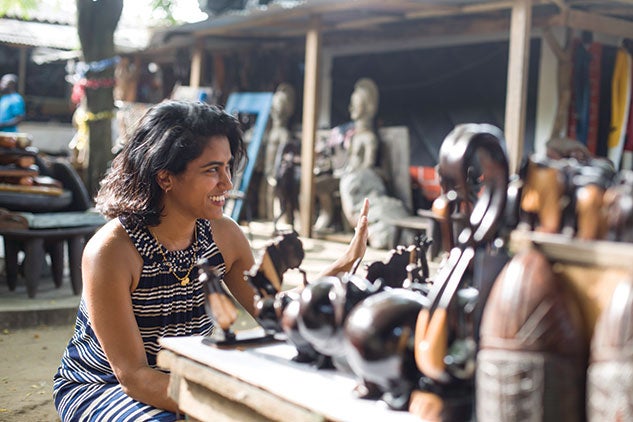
<point>610,373</point>
<point>474,176</point>
<point>533,346</point>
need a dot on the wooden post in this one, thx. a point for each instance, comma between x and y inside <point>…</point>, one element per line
<point>21,88</point>
<point>308,136</point>
<point>197,60</point>
<point>518,61</point>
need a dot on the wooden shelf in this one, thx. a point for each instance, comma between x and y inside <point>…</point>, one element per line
<point>591,268</point>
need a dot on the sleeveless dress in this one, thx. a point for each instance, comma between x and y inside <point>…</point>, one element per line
<point>85,387</point>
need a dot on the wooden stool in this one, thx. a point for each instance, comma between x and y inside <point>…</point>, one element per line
<point>36,243</point>
<point>39,234</point>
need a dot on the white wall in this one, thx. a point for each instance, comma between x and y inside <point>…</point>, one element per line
<point>49,137</point>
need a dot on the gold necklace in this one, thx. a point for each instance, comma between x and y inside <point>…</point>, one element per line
<point>184,280</point>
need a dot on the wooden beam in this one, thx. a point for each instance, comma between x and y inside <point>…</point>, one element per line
<point>594,22</point>
<point>197,60</point>
<point>23,59</point>
<point>482,7</point>
<point>519,57</point>
<point>561,4</point>
<point>308,138</point>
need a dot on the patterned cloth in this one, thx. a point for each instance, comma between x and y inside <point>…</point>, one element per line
<point>85,387</point>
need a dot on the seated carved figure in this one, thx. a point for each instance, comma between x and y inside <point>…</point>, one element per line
<point>359,144</point>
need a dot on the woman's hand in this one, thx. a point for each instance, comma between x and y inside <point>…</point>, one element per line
<point>357,247</point>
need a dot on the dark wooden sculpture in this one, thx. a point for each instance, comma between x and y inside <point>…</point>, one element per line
<point>324,306</point>
<point>533,346</point>
<point>610,374</point>
<point>378,345</point>
<point>283,253</point>
<point>276,309</point>
<point>474,176</point>
<point>287,180</point>
<point>405,266</point>
<point>218,304</point>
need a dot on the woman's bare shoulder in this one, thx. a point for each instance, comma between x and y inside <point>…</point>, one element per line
<point>229,237</point>
<point>109,240</point>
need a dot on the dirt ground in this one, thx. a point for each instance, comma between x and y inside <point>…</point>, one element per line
<point>28,359</point>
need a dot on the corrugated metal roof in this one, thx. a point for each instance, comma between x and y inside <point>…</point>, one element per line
<point>38,34</point>
<point>288,19</point>
<point>53,24</point>
<point>63,36</point>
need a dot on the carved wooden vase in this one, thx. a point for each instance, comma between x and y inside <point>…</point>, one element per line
<point>533,348</point>
<point>610,373</point>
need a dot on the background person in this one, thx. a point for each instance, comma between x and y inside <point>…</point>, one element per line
<point>12,107</point>
<point>164,194</point>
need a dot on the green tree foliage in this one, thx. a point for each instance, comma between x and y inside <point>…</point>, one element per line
<point>19,7</point>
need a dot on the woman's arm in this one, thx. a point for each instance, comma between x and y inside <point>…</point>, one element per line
<point>238,258</point>
<point>356,249</point>
<point>110,267</point>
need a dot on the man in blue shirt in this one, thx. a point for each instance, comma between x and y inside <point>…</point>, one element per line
<point>12,108</point>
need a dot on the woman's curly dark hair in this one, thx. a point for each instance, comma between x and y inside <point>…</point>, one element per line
<point>168,136</point>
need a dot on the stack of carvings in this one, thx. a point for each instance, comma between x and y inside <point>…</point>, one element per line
<point>18,169</point>
<point>489,336</point>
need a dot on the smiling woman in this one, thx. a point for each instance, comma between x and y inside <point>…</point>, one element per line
<point>165,194</point>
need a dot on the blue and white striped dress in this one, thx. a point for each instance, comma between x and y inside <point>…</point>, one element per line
<point>85,387</point>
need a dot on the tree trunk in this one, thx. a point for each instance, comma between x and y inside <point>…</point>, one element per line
<point>96,22</point>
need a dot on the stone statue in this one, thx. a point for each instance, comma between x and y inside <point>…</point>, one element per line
<point>361,143</point>
<point>363,106</point>
<point>278,135</point>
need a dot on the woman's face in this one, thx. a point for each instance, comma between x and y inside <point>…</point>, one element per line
<point>200,190</point>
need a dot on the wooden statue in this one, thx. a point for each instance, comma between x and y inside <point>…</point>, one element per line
<point>474,176</point>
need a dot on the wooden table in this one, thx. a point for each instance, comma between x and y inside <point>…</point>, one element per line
<point>261,383</point>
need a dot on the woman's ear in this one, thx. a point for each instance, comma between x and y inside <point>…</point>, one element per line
<point>163,178</point>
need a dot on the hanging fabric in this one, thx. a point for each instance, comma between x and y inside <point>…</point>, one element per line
<point>621,99</point>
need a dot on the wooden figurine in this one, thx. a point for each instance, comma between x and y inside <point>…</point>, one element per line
<point>266,276</point>
<point>218,303</point>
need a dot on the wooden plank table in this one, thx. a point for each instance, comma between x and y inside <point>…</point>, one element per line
<point>261,383</point>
